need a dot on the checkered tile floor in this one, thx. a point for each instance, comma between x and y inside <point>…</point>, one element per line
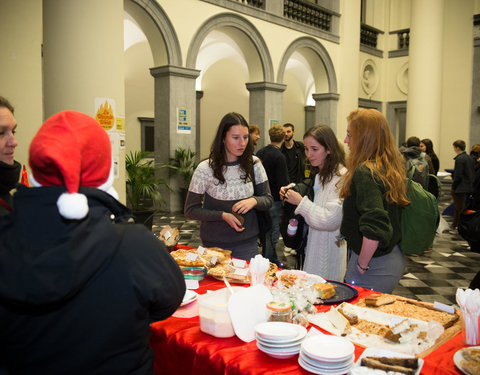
<point>435,276</point>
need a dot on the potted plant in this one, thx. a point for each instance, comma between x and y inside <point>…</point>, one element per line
<point>184,164</point>
<point>143,195</point>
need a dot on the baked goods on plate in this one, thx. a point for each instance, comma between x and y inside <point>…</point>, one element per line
<point>408,308</point>
<point>467,360</point>
<point>383,361</point>
<point>201,257</point>
<point>371,328</point>
<point>169,236</point>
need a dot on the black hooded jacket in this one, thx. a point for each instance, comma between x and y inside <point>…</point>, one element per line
<point>77,297</point>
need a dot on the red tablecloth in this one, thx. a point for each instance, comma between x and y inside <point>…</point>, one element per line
<point>181,348</point>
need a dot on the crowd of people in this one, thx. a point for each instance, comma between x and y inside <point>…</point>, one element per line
<point>76,250</point>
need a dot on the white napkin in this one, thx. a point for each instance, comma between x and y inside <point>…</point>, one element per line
<point>258,269</point>
<point>469,302</point>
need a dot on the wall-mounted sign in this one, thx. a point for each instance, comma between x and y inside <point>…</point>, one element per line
<point>184,125</point>
<point>105,113</point>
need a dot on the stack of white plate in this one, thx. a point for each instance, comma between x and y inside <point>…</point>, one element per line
<point>278,339</point>
<point>326,354</point>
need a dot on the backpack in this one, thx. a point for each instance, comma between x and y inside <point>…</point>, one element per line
<point>419,220</point>
<point>420,170</point>
<point>434,186</point>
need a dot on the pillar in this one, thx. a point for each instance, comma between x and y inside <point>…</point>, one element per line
<point>309,116</point>
<point>83,61</point>
<point>265,108</point>
<point>175,121</point>
<point>326,109</point>
<point>425,70</point>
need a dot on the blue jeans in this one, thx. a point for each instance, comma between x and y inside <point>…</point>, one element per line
<point>276,212</point>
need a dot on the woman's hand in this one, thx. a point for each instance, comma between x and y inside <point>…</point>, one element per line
<point>290,196</point>
<point>243,206</point>
<point>231,220</point>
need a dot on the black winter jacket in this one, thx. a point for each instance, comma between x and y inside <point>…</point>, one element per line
<point>78,297</point>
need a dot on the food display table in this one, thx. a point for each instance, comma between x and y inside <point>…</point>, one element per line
<point>181,348</point>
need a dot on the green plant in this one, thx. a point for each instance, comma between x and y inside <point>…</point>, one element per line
<point>184,164</point>
<point>142,185</point>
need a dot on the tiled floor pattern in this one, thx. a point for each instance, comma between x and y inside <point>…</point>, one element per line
<point>435,276</point>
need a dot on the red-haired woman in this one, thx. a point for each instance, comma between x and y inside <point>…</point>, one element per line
<point>374,192</point>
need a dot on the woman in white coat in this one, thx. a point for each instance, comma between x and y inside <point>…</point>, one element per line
<point>326,253</point>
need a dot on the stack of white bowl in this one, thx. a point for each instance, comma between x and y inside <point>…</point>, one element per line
<point>279,339</point>
<point>327,354</point>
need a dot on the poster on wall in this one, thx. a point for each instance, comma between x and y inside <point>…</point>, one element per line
<point>184,125</point>
<point>105,113</point>
<point>274,122</point>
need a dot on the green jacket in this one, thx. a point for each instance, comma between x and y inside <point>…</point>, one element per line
<point>366,213</point>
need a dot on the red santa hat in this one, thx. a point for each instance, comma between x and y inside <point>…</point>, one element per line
<point>71,149</point>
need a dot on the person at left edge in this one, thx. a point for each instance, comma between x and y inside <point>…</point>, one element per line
<point>79,283</point>
<point>9,168</point>
<point>223,192</point>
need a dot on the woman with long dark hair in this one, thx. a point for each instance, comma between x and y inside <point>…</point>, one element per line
<point>226,187</point>
<point>325,255</point>
<point>426,145</point>
<point>374,192</point>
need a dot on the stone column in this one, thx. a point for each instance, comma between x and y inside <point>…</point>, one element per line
<point>309,116</point>
<point>265,106</point>
<point>83,60</point>
<point>425,70</point>
<point>326,109</point>
<point>175,120</point>
<point>197,141</point>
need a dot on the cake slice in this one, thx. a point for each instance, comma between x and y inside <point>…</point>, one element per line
<point>379,300</point>
<point>325,290</point>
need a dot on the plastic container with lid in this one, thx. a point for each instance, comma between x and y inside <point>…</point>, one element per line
<point>279,311</point>
<point>214,317</point>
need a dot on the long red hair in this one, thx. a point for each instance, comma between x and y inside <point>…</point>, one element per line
<point>372,145</point>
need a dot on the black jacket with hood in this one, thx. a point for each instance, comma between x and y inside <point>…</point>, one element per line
<point>77,297</point>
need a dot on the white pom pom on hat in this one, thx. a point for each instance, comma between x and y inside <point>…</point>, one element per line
<point>71,149</point>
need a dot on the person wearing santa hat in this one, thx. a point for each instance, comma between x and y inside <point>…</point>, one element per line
<point>79,282</point>
<point>9,168</point>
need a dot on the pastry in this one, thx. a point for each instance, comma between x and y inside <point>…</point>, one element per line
<point>325,290</point>
<point>349,315</point>
<point>398,361</point>
<point>471,367</point>
<point>379,300</point>
<point>379,365</point>
<point>412,309</point>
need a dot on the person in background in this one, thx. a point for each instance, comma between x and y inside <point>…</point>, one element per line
<point>79,284</point>
<point>254,132</point>
<point>463,177</point>
<point>275,165</point>
<point>226,188</point>
<point>325,254</point>
<point>475,155</point>
<point>426,145</point>
<point>415,157</point>
<point>374,193</point>
<point>295,154</point>
<point>9,168</point>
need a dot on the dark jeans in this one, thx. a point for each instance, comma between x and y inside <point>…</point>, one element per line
<point>458,206</point>
<point>276,212</point>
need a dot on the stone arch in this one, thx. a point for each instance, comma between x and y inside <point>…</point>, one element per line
<point>239,27</point>
<point>158,29</point>
<point>319,50</point>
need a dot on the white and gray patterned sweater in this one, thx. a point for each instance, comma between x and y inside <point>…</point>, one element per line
<point>207,199</point>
